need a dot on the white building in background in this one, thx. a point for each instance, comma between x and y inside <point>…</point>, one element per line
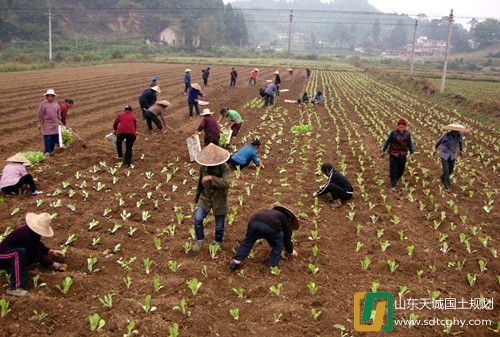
<point>173,36</point>
<point>425,46</point>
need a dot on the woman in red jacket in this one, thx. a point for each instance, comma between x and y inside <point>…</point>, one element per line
<point>125,127</point>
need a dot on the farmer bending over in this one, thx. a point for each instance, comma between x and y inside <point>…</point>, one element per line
<point>276,226</point>
<point>22,247</point>
<point>235,119</point>
<point>156,113</point>
<point>210,126</point>
<point>246,155</point>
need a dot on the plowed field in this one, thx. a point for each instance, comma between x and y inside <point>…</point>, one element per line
<point>434,240</point>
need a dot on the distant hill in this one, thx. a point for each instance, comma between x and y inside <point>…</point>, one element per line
<point>124,19</point>
<point>317,19</point>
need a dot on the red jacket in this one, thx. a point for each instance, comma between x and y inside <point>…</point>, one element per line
<point>125,122</point>
<point>253,73</point>
<point>64,112</point>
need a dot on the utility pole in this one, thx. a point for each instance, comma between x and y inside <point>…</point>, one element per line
<point>445,65</point>
<point>413,48</point>
<point>50,34</point>
<point>290,36</point>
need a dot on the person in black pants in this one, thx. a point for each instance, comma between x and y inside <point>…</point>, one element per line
<point>147,99</point>
<point>337,185</point>
<point>276,226</point>
<point>125,127</point>
<point>234,75</point>
<point>205,73</point>
<point>15,176</point>
<point>277,81</point>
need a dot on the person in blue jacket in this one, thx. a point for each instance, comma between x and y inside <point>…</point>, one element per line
<point>187,80</point>
<point>246,155</point>
<point>194,93</point>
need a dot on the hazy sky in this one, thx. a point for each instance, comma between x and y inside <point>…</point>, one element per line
<point>477,8</point>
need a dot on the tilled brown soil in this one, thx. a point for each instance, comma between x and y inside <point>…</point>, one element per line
<point>346,131</point>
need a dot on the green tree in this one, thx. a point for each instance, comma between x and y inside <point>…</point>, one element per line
<point>487,32</point>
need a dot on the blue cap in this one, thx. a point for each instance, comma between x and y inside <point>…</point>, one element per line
<point>154,78</point>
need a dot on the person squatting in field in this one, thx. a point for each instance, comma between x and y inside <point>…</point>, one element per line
<point>147,99</point>
<point>194,93</point>
<point>235,119</point>
<point>275,226</point>
<point>156,114</point>
<point>337,185</point>
<point>212,192</point>
<point>210,127</point>
<point>399,143</point>
<point>246,155</point>
<point>23,247</point>
<point>304,98</point>
<point>125,128</point>
<point>450,142</point>
<point>319,98</point>
<point>48,120</point>
<point>15,176</point>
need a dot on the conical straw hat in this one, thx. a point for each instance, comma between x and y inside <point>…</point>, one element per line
<point>212,155</point>
<point>164,103</point>
<point>196,86</point>
<point>289,213</point>
<point>456,127</point>
<point>156,88</point>
<point>18,158</point>
<point>40,223</point>
<point>206,112</point>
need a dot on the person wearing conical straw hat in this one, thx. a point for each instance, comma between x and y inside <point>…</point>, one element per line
<point>211,193</point>
<point>15,176</point>
<point>156,114</point>
<point>275,226</point>
<point>48,119</point>
<point>194,93</point>
<point>210,127</point>
<point>187,80</point>
<point>147,99</point>
<point>253,76</point>
<point>450,141</point>
<point>399,143</point>
<point>23,247</point>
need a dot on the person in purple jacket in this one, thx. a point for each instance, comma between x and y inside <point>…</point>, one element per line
<point>210,126</point>
<point>48,119</point>
<point>15,176</point>
<point>22,247</point>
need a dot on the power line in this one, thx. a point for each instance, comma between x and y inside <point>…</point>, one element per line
<point>223,9</point>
